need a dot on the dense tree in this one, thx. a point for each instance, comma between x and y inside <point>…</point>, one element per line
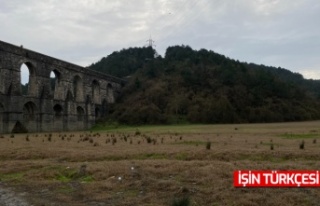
<point>125,62</point>
<point>206,87</point>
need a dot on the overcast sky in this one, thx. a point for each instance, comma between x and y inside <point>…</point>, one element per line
<point>283,33</point>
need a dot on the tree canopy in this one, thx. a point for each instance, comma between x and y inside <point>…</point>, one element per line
<point>202,86</point>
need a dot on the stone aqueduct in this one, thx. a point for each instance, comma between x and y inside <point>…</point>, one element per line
<point>74,101</point>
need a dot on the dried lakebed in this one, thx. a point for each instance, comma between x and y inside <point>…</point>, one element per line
<point>10,198</point>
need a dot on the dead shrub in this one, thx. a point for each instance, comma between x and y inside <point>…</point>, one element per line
<point>208,145</point>
<point>301,146</point>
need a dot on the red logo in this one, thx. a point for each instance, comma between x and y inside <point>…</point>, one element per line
<point>274,178</point>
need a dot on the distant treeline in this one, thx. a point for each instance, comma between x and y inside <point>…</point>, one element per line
<point>205,87</point>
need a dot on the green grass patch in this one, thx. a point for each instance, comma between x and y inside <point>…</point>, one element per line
<point>299,136</point>
<point>195,143</point>
<point>72,175</point>
<point>181,156</point>
<point>113,126</point>
<point>65,189</point>
<point>263,158</point>
<point>63,178</point>
<point>147,156</point>
<point>11,177</point>
<point>160,129</point>
<point>87,179</point>
<point>270,143</point>
<point>157,156</point>
<point>153,156</point>
<point>132,192</point>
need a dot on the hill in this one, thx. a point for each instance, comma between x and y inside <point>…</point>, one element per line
<point>205,87</point>
<point>125,62</point>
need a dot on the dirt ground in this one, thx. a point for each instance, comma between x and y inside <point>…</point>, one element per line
<point>158,165</point>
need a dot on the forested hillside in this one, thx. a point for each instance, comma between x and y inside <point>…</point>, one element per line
<point>125,62</point>
<point>205,87</point>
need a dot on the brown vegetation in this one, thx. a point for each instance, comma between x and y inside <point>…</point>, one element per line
<point>154,166</point>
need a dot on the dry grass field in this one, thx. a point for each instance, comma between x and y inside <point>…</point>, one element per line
<point>158,165</point>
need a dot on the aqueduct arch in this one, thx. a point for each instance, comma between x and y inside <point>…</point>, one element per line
<point>54,82</point>
<point>31,89</point>
<point>70,101</point>
<point>110,94</point>
<point>96,92</point>
<point>78,88</point>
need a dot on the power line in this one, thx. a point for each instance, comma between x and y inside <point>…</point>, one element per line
<point>150,43</point>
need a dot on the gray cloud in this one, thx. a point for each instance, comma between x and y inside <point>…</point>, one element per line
<point>271,32</point>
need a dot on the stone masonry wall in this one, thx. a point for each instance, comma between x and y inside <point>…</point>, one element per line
<point>80,96</point>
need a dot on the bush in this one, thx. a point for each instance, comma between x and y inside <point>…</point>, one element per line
<point>181,201</point>
<point>301,146</point>
<point>114,140</point>
<point>149,140</point>
<point>208,145</point>
<point>137,133</point>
